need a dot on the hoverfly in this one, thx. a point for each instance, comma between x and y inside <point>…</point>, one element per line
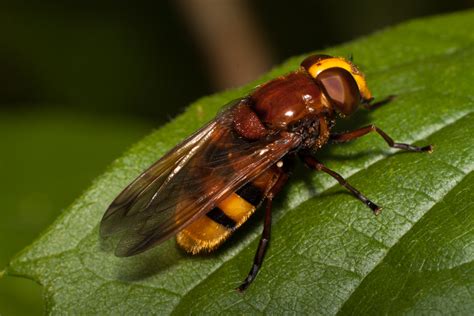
<point>211,183</point>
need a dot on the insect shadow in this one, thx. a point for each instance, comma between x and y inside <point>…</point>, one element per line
<point>150,263</point>
<point>145,265</point>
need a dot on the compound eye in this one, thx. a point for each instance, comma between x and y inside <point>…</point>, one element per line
<point>341,89</point>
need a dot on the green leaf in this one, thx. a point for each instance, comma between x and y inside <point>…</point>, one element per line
<point>329,254</point>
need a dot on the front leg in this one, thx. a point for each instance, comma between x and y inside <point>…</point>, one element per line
<point>368,105</point>
<point>348,136</point>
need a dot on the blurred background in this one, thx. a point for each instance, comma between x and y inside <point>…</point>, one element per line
<point>81,81</point>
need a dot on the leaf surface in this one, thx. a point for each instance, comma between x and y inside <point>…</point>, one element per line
<point>329,254</point>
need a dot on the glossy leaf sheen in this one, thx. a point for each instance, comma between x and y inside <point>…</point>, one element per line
<point>329,254</point>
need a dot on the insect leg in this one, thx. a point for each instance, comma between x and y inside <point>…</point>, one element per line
<point>262,248</point>
<point>318,166</point>
<point>266,233</point>
<point>348,136</point>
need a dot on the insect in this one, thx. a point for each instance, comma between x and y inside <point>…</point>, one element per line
<point>211,183</point>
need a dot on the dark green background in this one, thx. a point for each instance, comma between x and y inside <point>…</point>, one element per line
<point>81,82</point>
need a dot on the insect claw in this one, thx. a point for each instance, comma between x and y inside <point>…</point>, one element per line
<point>377,211</point>
<point>241,288</point>
<point>374,207</point>
<point>429,149</point>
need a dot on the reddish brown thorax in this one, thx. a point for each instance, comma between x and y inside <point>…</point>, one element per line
<point>303,102</point>
<point>286,99</point>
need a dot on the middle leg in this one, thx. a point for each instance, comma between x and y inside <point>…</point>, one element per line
<point>313,163</point>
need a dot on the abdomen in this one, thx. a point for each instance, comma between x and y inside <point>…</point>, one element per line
<point>210,231</point>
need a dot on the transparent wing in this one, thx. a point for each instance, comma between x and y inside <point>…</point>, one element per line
<point>132,200</point>
<point>188,182</point>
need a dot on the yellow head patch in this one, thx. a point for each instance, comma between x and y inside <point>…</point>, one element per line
<point>316,64</point>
